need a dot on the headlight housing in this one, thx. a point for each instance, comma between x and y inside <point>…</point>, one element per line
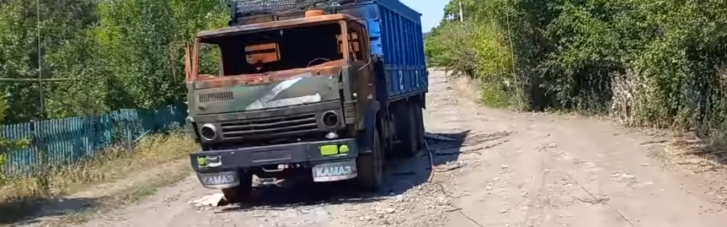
<point>208,132</point>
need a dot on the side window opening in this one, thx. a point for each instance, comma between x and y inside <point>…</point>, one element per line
<point>210,61</point>
<point>356,52</point>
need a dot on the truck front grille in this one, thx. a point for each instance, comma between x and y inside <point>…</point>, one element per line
<point>216,97</point>
<point>270,127</point>
<point>349,111</point>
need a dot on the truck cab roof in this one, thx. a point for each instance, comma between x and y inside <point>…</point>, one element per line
<point>248,28</point>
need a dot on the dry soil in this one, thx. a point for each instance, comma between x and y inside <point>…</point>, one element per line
<point>492,168</point>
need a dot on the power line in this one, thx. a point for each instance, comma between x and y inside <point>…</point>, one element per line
<point>35,80</point>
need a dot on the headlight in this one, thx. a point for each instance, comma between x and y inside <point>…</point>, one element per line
<point>208,131</point>
<point>330,119</point>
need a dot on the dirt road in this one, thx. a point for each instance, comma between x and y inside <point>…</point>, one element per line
<point>502,169</point>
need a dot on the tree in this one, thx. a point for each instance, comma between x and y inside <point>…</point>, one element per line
<point>5,144</point>
<point>119,54</point>
<point>650,63</point>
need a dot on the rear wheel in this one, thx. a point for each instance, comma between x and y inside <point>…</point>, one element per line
<point>419,123</point>
<point>241,192</point>
<point>412,141</point>
<point>406,127</point>
<point>371,166</point>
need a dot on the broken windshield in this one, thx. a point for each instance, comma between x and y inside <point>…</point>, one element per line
<point>271,50</point>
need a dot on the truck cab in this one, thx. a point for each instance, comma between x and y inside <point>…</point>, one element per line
<point>320,88</point>
<point>274,98</point>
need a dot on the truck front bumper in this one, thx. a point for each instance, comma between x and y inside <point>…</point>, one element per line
<point>331,160</point>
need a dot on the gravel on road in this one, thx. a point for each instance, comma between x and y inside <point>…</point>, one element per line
<point>491,168</point>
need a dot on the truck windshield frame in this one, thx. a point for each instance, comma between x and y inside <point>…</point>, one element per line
<point>344,48</point>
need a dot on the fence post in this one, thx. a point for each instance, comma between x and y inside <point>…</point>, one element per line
<point>42,176</point>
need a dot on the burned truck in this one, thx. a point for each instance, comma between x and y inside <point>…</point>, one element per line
<point>327,89</point>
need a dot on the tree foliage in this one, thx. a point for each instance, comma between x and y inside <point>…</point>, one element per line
<point>119,54</point>
<point>6,144</point>
<point>656,63</point>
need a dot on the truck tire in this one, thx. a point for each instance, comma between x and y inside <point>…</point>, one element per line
<point>419,122</point>
<point>406,130</point>
<point>241,192</point>
<point>411,141</point>
<point>371,166</point>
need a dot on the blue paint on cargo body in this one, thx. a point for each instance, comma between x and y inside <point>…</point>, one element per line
<point>396,36</point>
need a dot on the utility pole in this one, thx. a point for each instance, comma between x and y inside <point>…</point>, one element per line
<point>40,63</point>
<point>43,179</point>
<point>461,15</point>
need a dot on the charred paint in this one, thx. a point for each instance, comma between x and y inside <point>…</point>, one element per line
<point>239,98</point>
<point>210,81</point>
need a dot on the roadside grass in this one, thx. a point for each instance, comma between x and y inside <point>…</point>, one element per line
<point>22,197</point>
<point>127,196</point>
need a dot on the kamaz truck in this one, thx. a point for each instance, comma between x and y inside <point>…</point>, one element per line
<point>324,88</point>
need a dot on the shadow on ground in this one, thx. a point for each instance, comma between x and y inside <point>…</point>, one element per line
<point>28,211</point>
<point>707,148</point>
<point>401,175</point>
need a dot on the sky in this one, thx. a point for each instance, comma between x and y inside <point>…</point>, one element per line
<point>432,11</point>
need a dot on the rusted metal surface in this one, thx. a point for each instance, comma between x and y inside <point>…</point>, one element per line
<point>188,56</point>
<point>205,81</point>
<point>312,13</point>
<point>259,54</point>
<point>296,22</point>
<point>244,98</point>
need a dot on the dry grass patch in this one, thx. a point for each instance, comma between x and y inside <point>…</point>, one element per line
<point>139,190</point>
<point>95,177</point>
<point>704,157</point>
<point>693,154</point>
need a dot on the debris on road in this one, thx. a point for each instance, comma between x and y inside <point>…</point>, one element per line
<point>214,200</point>
<point>526,182</point>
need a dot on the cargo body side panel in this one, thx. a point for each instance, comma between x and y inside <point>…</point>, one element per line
<point>396,35</point>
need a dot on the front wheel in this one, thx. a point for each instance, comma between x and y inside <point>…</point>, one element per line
<point>371,166</point>
<point>241,192</point>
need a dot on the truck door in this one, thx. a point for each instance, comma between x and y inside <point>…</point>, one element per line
<point>359,55</point>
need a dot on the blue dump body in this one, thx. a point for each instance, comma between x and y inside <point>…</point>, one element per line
<point>396,36</point>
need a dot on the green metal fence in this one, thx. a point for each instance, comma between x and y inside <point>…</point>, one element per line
<point>72,139</point>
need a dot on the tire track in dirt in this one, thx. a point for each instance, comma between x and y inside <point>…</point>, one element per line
<point>498,168</point>
<point>406,200</point>
<point>573,171</point>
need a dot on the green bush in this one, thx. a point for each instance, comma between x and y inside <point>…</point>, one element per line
<point>476,50</point>
<point>120,54</point>
<point>5,144</point>
<point>648,63</point>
